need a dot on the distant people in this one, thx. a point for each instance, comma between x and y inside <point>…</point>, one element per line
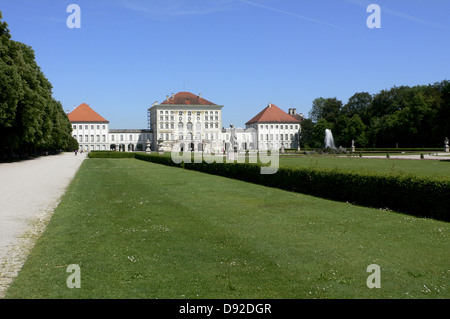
<point>76,152</point>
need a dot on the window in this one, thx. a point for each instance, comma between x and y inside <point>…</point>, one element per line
<point>98,138</point>
<point>189,126</point>
<point>80,127</point>
<point>291,127</point>
<point>74,127</point>
<point>167,126</point>
<point>161,118</point>
<point>92,127</point>
<point>206,125</point>
<point>217,125</point>
<point>86,127</point>
<point>276,126</point>
<point>98,127</point>
<point>171,126</point>
<point>180,136</point>
<point>296,127</point>
<point>271,126</point>
<point>189,113</point>
<point>86,138</point>
<point>161,125</point>
<point>80,138</point>
<point>281,126</point>
<point>121,137</point>
<point>292,136</point>
<point>217,112</point>
<point>180,125</point>
<point>286,136</point>
<point>112,138</point>
<point>198,126</point>
<point>92,138</point>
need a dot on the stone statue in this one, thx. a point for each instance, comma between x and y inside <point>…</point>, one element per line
<point>148,146</point>
<point>233,137</point>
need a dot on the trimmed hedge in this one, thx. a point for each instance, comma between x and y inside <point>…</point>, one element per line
<point>418,196</point>
<point>110,154</point>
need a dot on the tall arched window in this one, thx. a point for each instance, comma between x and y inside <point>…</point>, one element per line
<point>180,136</point>
<point>198,136</point>
<point>180,126</point>
<point>198,126</point>
<point>189,126</point>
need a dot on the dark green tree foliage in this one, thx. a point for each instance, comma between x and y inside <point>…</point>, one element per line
<point>405,117</point>
<point>32,122</point>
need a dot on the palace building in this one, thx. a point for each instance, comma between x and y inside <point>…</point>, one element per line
<point>188,122</point>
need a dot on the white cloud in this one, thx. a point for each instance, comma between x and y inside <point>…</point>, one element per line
<point>176,7</point>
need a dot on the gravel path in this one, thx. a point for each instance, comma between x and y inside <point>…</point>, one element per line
<point>29,192</point>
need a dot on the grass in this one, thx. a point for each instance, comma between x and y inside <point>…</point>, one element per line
<point>142,230</point>
<point>424,168</point>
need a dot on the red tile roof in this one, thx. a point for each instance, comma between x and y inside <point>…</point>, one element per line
<point>273,114</point>
<point>186,98</point>
<point>84,113</point>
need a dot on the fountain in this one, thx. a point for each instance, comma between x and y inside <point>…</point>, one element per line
<point>329,140</point>
<point>330,147</point>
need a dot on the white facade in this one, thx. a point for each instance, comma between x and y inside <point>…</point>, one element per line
<point>197,127</point>
<point>91,136</point>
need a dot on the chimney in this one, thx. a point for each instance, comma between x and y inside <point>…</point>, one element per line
<point>294,111</point>
<point>290,112</point>
<point>173,95</point>
<point>199,95</point>
<point>167,98</point>
<point>270,104</point>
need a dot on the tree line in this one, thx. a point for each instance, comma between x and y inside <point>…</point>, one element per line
<point>32,122</point>
<point>404,117</point>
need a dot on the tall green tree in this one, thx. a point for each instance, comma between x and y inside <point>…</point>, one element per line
<point>31,121</point>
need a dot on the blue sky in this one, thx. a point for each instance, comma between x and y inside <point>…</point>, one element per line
<point>238,53</point>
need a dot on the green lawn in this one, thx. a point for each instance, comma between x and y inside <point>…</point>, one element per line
<point>431,168</point>
<point>142,230</point>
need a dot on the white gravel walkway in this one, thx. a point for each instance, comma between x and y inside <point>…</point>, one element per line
<point>29,192</point>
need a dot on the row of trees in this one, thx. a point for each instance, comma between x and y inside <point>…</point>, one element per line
<point>32,122</point>
<point>405,117</point>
